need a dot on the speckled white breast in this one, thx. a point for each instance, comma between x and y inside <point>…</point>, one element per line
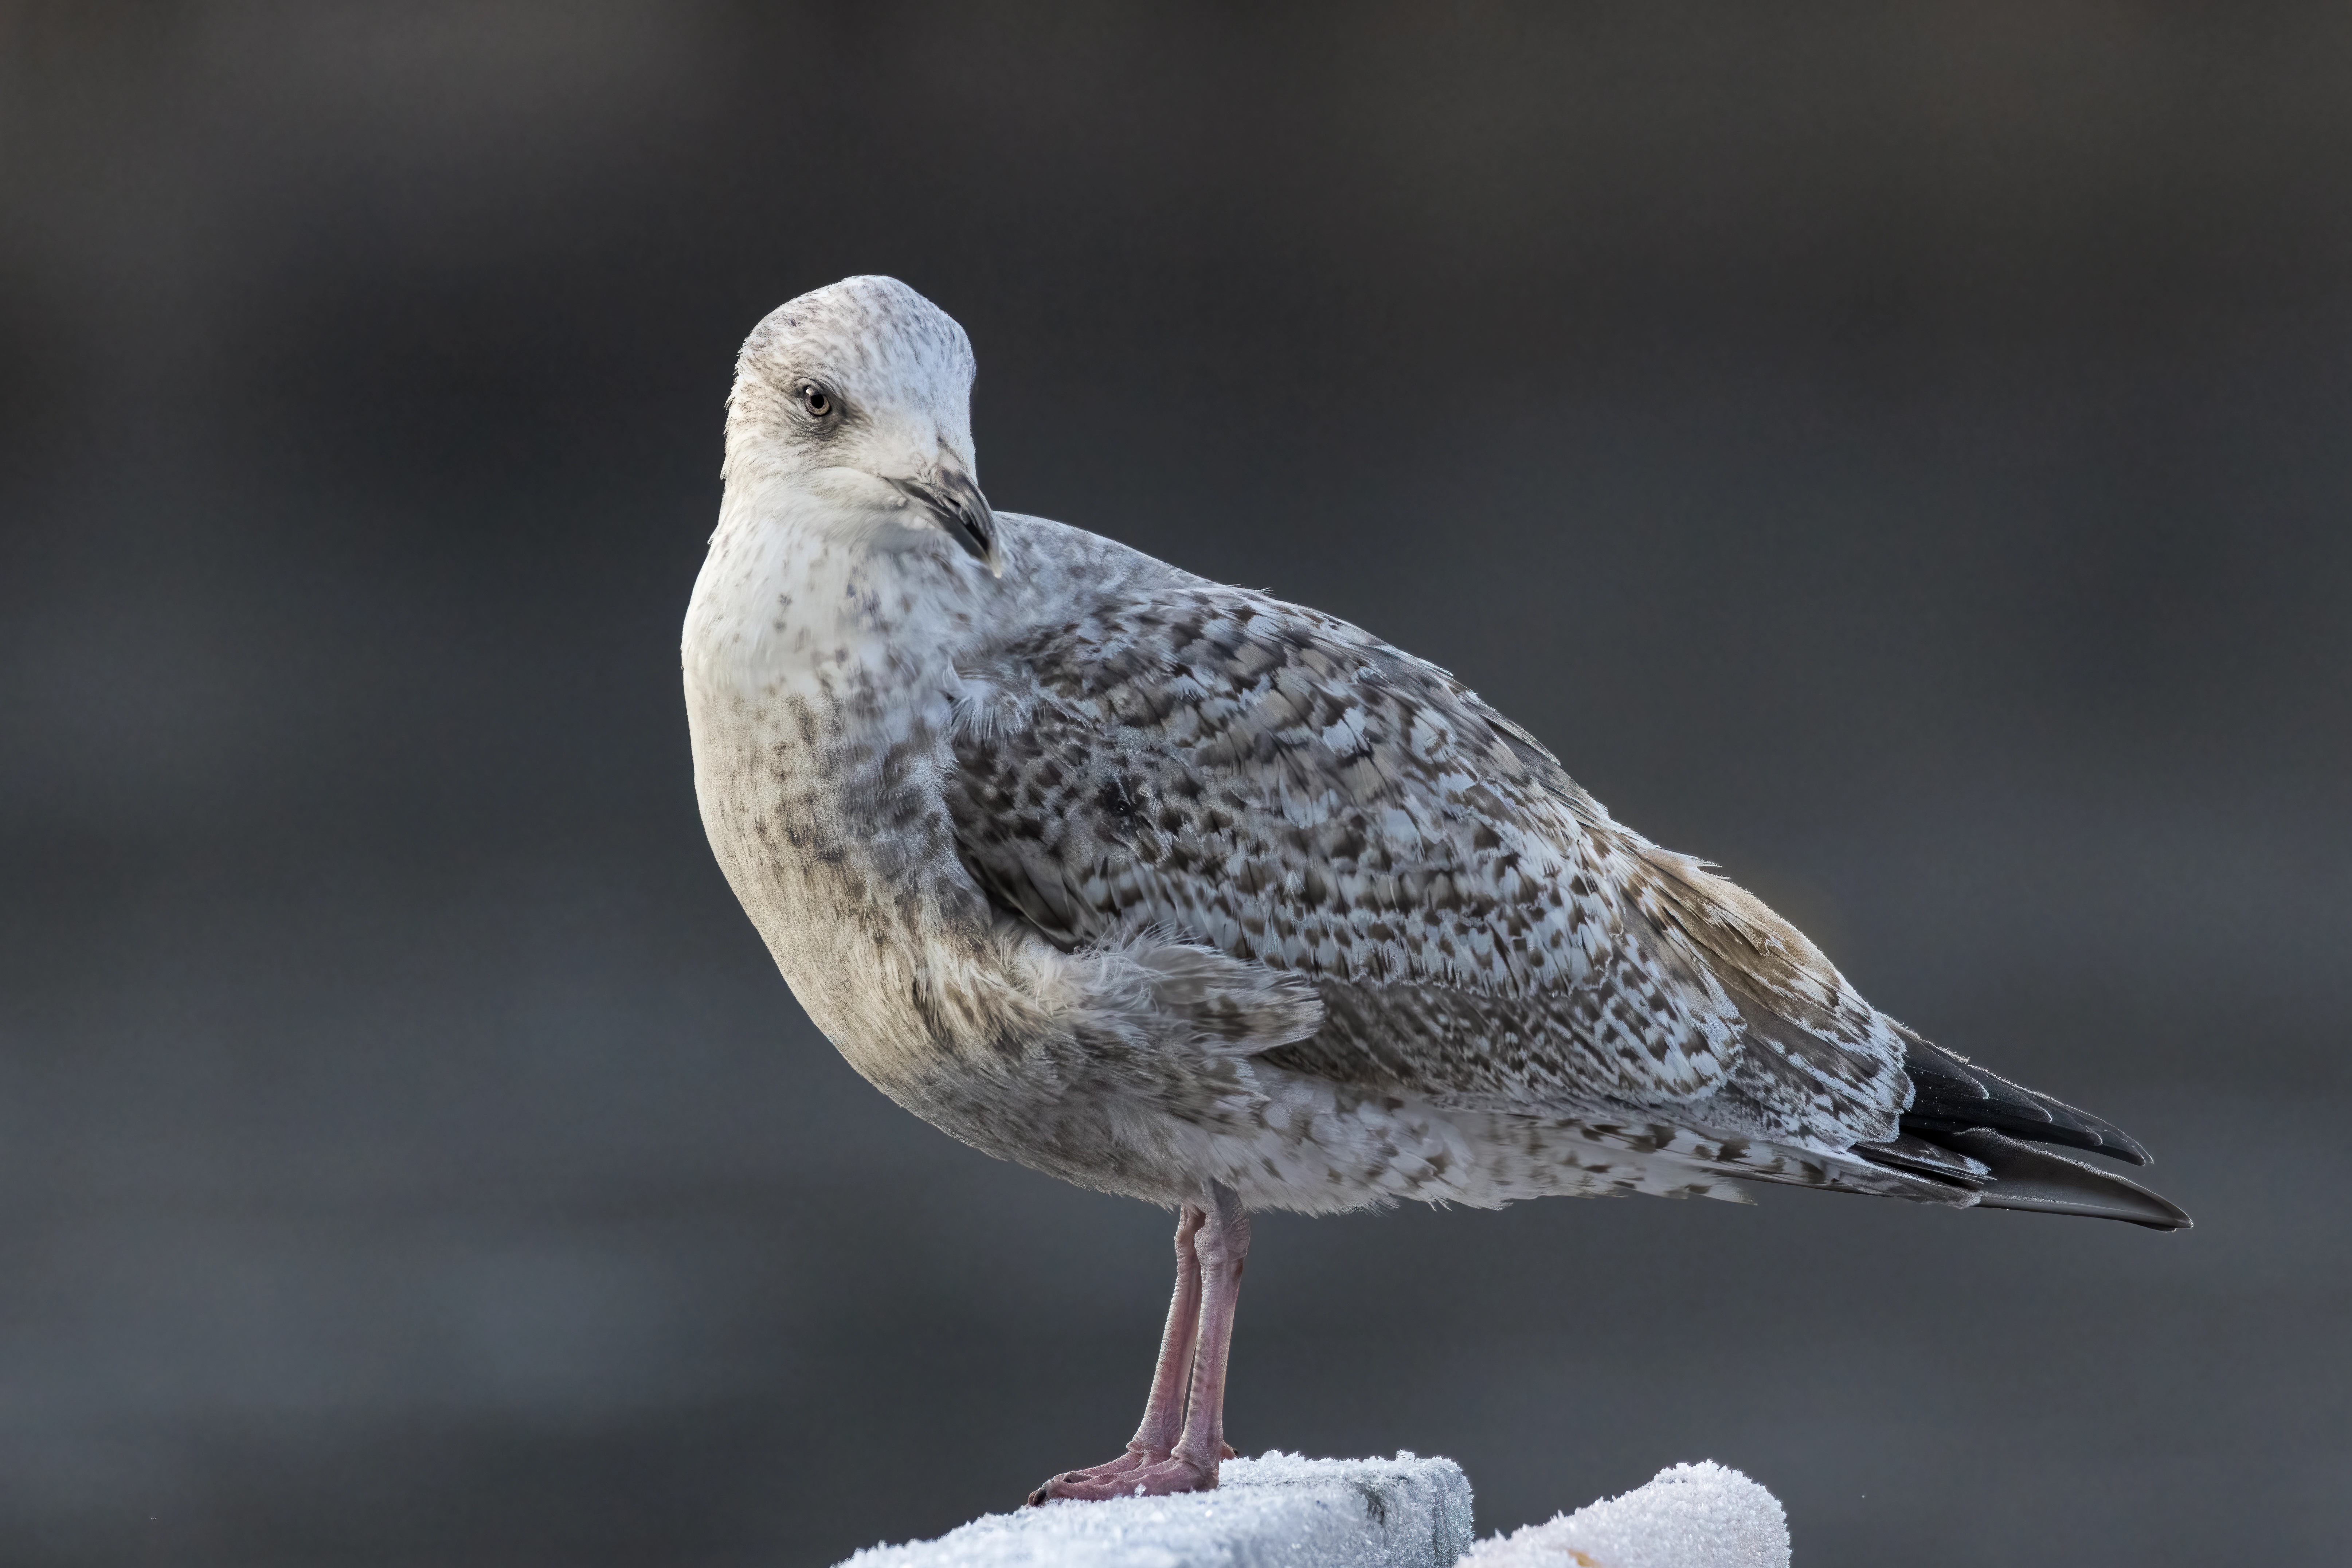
<point>820,683</point>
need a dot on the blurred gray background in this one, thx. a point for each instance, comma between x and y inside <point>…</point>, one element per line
<point>1903,452</point>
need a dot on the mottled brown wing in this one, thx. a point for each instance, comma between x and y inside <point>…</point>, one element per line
<point>1280,786</point>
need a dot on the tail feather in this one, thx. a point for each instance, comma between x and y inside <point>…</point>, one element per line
<point>1976,1130</point>
<point>1910,1153</point>
<point>2024,1177</point>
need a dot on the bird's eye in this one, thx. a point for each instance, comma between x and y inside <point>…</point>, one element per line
<point>816,400</point>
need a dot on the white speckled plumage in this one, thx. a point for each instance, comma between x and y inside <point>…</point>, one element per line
<point>1176,890</point>
<point>1147,881</point>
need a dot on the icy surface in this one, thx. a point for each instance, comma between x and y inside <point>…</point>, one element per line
<point>1689,1516</point>
<point>1405,1512</point>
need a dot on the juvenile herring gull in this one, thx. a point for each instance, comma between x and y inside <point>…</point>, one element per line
<point>1176,890</point>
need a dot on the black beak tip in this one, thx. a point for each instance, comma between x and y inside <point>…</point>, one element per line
<point>962,512</point>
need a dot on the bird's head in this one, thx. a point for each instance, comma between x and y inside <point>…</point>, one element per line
<point>860,395</point>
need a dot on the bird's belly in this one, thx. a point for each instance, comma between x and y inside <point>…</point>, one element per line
<point>845,862</point>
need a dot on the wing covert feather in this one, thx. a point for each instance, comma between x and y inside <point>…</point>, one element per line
<point>1277,784</point>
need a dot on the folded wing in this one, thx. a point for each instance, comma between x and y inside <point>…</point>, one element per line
<point>1279,786</point>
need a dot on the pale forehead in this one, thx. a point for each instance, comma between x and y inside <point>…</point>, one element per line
<point>874,333</point>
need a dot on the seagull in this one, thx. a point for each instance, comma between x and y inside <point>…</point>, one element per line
<point>1176,890</point>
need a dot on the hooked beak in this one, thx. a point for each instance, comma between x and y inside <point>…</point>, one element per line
<point>962,510</point>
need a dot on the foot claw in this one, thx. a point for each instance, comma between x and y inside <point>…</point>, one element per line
<point>1131,1475</point>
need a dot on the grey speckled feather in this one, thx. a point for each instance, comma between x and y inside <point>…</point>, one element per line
<point>1151,883</point>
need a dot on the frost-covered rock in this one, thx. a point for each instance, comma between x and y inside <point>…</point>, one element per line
<point>1689,1516</point>
<point>1405,1512</point>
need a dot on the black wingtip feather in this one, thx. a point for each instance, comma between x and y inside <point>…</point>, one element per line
<point>1950,1094</point>
<point>1964,1110</point>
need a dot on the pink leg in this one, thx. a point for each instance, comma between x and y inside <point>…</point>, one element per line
<point>1164,1413</point>
<point>1224,1250</point>
<point>1211,1245</point>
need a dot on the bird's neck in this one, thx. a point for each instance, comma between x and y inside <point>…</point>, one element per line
<point>790,601</point>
